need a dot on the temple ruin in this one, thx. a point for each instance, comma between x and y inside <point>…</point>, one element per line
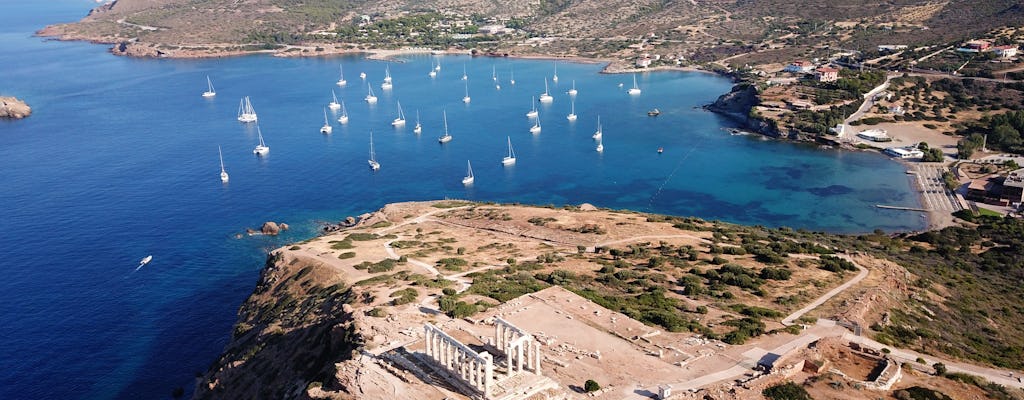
<point>517,350</point>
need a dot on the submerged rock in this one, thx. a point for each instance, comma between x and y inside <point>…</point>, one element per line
<point>11,107</point>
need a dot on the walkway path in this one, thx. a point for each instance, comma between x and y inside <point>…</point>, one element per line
<point>827,296</point>
<point>999,376</point>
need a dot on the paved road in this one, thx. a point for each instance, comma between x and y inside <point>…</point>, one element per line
<point>827,296</point>
<point>869,101</point>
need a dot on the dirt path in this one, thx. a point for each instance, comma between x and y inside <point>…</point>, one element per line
<point>827,296</point>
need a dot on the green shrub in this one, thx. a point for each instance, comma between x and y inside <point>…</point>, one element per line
<point>452,263</point>
<point>404,296</point>
<point>786,391</point>
<point>362,236</point>
<point>347,254</point>
<point>591,386</point>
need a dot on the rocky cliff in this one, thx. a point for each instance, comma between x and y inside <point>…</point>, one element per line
<point>738,105</point>
<point>13,108</point>
<point>290,332</point>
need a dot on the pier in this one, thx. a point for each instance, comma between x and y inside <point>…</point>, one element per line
<point>900,208</point>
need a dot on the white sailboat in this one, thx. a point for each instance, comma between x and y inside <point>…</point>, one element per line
<point>533,110</point>
<point>598,133</point>
<point>545,97</point>
<point>446,138</point>
<point>387,79</point>
<point>572,112</point>
<point>466,99</point>
<point>374,165</point>
<point>400,120</point>
<point>341,76</point>
<point>536,125</point>
<point>223,173</point>
<point>261,149</point>
<point>494,73</point>
<point>554,78</point>
<point>327,128</point>
<point>245,111</point>
<point>512,77</point>
<point>510,159</point>
<point>468,180</point>
<point>370,98</point>
<point>334,105</point>
<point>432,73</point>
<point>572,92</point>
<point>464,76</point>
<point>600,146</point>
<point>418,128</point>
<point>635,90</point>
<point>209,88</point>
<point>343,119</point>
<point>438,67</point>
<point>362,75</point>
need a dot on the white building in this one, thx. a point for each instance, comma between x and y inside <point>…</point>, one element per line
<point>1005,51</point>
<point>904,152</point>
<point>875,135</point>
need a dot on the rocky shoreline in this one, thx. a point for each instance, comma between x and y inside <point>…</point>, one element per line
<point>14,108</point>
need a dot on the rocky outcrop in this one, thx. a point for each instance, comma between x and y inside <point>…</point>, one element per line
<point>136,49</point>
<point>13,108</point>
<point>738,105</point>
<point>291,331</point>
<point>270,228</point>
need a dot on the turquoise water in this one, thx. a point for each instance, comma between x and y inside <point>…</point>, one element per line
<point>119,161</point>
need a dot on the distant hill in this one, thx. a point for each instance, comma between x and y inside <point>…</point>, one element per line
<point>694,26</point>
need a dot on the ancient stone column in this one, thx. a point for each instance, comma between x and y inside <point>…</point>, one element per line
<point>488,374</point>
<point>537,358</point>
<point>519,357</point>
<point>426,340</point>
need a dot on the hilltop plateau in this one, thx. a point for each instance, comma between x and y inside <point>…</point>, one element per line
<point>630,301</point>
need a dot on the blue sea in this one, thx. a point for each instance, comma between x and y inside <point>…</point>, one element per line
<point>119,161</point>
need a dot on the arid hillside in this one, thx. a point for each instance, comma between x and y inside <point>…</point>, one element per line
<point>684,25</point>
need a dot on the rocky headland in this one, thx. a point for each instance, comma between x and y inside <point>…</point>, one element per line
<point>738,105</point>
<point>342,315</point>
<point>14,108</point>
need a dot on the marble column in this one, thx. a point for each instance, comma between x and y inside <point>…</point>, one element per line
<point>519,357</point>
<point>488,375</point>
<point>537,358</point>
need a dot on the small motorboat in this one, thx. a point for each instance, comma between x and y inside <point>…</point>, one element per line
<point>661,150</point>
<point>654,113</point>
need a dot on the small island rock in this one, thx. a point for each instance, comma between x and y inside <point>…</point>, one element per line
<point>11,107</point>
<point>270,228</point>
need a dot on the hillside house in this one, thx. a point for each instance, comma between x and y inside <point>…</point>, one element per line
<point>826,74</point>
<point>1009,51</point>
<point>495,30</point>
<point>975,46</point>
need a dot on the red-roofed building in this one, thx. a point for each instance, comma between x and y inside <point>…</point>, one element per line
<point>1005,51</point>
<point>975,46</point>
<point>826,74</point>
